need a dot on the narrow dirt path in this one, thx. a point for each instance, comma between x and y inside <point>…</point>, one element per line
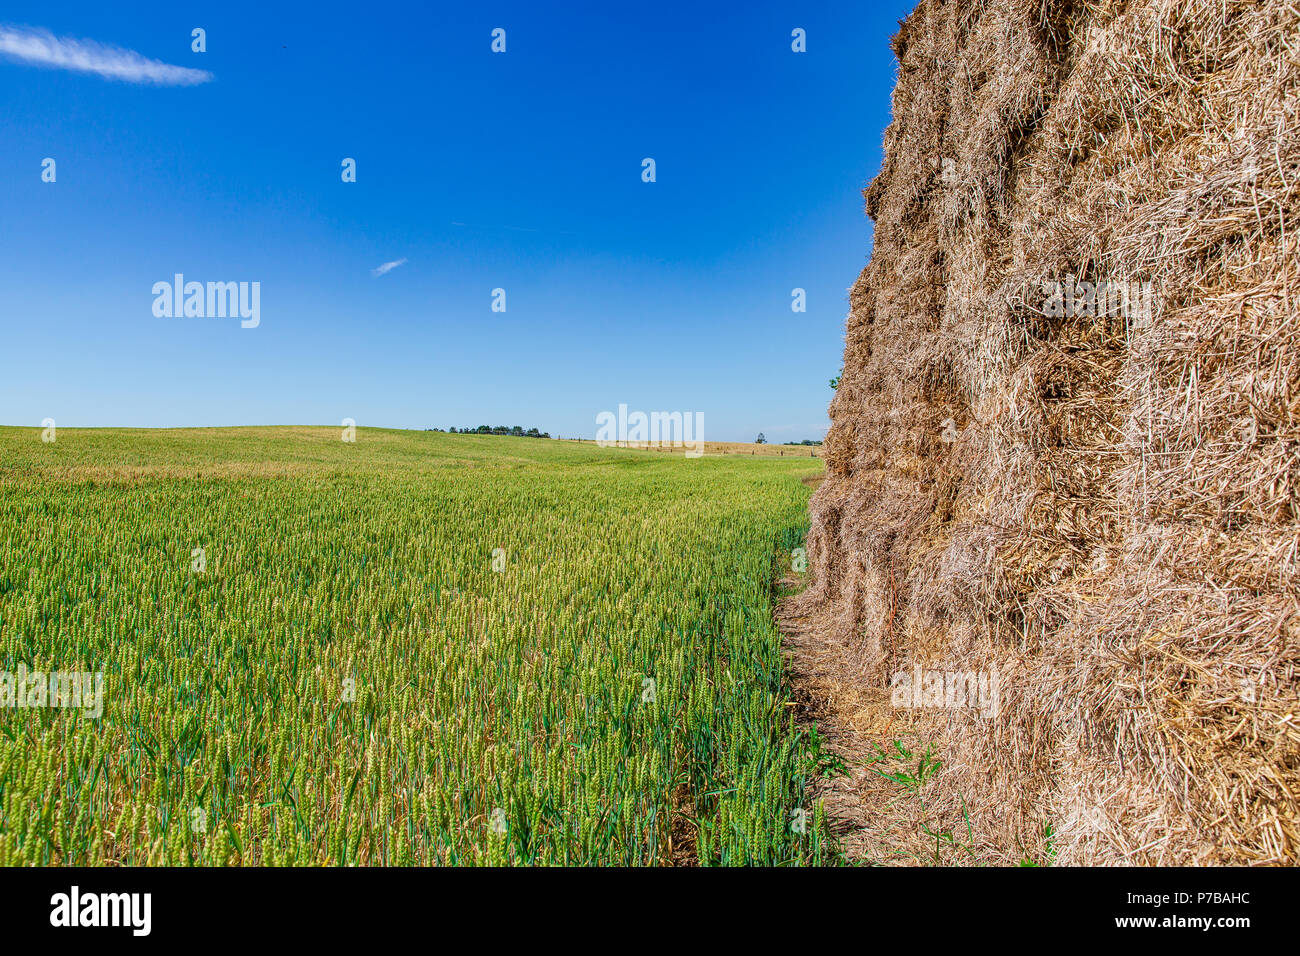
<point>875,820</point>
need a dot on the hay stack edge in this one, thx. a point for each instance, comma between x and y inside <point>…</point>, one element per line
<point>1065,448</point>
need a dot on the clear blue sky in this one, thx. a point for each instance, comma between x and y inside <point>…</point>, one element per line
<point>519,170</point>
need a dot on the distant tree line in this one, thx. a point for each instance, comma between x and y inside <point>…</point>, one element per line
<point>806,441</point>
<point>516,430</point>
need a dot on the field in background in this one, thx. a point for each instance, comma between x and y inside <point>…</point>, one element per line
<point>717,448</point>
<point>418,648</point>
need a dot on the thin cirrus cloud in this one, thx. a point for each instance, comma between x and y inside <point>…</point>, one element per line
<point>387,267</point>
<point>42,48</point>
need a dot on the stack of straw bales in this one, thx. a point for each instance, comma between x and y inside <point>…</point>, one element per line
<point>1095,497</point>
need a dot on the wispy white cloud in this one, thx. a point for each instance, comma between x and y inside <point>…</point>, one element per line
<point>42,48</point>
<point>387,267</point>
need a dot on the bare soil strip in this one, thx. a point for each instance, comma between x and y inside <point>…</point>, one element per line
<point>875,820</point>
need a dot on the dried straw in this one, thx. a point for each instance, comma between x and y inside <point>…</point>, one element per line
<point>1115,529</point>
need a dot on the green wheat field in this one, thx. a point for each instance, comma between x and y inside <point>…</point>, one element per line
<point>415,648</point>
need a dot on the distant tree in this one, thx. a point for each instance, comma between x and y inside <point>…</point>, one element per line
<point>452,429</point>
<point>516,431</point>
<point>760,440</point>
